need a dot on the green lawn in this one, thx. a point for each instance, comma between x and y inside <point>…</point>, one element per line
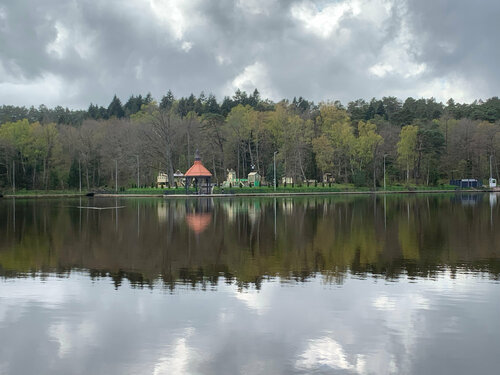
<point>289,189</point>
<point>246,190</point>
<point>41,192</point>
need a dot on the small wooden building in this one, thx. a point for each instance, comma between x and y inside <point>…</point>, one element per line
<point>179,178</point>
<point>328,178</point>
<point>233,181</point>
<point>162,180</point>
<point>254,179</point>
<point>466,183</point>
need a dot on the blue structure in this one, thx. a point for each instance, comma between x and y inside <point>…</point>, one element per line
<point>466,183</point>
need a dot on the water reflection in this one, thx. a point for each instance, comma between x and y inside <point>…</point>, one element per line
<point>73,325</point>
<point>248,240</point>
<point>199,214</point>
<point>354,285</point>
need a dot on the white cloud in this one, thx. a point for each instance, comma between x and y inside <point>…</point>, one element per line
<point>253,76</point>
<point>59,44</point>
<point>172,15</point>
<point>138,70</point>
<point>71,38</point>
<point>381,69</point>
<point>318,49</point>
<point>223,60</point>
<point>397,56</point>
<point>49,89</point>
<point>186,46</point>
<point>451,86</point>
<point>255,7</point>
<point>322,22</point>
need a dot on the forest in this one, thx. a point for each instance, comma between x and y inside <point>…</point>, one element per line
<point>419,141</point>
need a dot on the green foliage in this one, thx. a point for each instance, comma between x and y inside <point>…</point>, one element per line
<point>74,175</point>
<point>422,141</point>
<point>407,145</point>
<point>359,178</point>
<point>115,108</point>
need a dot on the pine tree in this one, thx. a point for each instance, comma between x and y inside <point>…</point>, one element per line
<point>115,108</point>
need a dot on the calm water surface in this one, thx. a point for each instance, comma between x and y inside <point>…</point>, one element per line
<point>326,285</point>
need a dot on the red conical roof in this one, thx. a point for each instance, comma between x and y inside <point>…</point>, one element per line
<point>198,170</point>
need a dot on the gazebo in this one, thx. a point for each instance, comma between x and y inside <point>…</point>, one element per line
<point>199,174</point>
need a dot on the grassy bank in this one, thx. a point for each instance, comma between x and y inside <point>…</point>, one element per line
<point>25,192</point>
<point>334,188</point>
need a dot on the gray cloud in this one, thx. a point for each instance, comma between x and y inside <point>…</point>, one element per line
<point>74,53</point>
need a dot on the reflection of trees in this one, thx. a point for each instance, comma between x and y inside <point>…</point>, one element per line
<point>152,240</point>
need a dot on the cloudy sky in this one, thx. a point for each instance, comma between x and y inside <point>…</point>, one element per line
<point>73,52</point>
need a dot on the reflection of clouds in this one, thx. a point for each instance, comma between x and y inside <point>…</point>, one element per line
<point>384,303</point>
<point>381,328</point>
<point>325,351</point>
<point>61,333</point>
<point>402,314</point>
<point>180,357</point>
<point>259,301</point>
<point>3,311</point>
<point>15,295</point>
<point>399,303</point>
<point>65,335</point>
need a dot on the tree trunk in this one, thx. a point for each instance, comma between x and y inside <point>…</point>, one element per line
<point>45,179</point>
<point>407,172</point>
<point>257,155</point>
<point>215,170</point>
<point>170,167</point>
<point>250,152</point>
<point>87,175</point>
<point>301,168</point>
<point>427,173</point>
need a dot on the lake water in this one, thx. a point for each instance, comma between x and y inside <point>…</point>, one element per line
<point>359,284</point>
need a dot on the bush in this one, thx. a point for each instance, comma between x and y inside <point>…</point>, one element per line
<point>359,179</point>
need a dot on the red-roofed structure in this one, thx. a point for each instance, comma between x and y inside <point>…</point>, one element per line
<point>197,170</point>
<point>198,173</point>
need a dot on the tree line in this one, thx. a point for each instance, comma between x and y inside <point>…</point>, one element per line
<point>416,141</point>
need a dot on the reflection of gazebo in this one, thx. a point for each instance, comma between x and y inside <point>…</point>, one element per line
<point>198,214</point>
<point>198,222</point>
<point>198,174</point>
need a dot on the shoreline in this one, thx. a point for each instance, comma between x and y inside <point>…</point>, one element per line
<point>281,194</point>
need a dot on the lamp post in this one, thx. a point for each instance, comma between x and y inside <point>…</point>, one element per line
<point>384,170</point>
<point>138,171</point>
<point>491,170</point>
<point>116,175</point>
<point>274,162</point>
<point>80,175</point>
<point>14,177</point>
